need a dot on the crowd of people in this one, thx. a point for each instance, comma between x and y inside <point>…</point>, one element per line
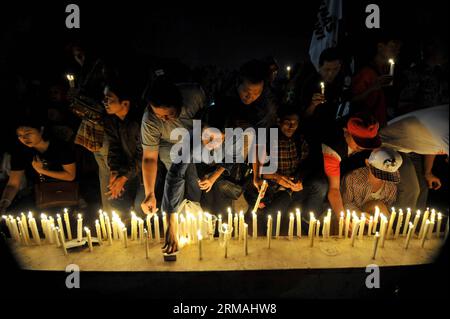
<point>344,140</point>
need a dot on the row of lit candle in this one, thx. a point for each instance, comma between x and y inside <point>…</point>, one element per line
<point>193,228</point>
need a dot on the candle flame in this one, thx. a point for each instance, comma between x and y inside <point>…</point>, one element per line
<point>391,61</point>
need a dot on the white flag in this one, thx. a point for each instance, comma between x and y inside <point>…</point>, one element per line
<point>325,33</point>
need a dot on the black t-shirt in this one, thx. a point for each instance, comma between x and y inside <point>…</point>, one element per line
<point>57,154</point>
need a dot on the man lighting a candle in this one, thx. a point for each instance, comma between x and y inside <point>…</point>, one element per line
<point>215,149</point>
<point>339,149</point>
<point>373,185</point>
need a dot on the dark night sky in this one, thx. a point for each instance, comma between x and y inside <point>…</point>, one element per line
<point>224,33</point>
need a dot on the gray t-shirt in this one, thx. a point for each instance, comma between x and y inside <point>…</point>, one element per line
<point>155,131</point>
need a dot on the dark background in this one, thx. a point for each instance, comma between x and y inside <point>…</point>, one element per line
<point>224,33</point>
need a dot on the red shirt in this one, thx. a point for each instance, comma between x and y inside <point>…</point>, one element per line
<point>375,102</point>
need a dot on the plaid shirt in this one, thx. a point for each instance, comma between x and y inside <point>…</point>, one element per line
<point>90,136</point>
<point>356,190</point>
<point>290,154</point>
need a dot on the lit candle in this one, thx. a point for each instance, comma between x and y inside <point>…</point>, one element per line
<point>25,226</point>
<point>146,243</point>
<point>328,222</point>
<point>407,220</point>
<point>391,222</point>
<point>98,231</point>
<point>236,226</point>
<point>317,227</point>
<point>211,228</point>
<point>347,224</point>
<point>71,79</point>
<point>34,230</point>
<point>103,233</point>
<point>375,245</point>
<point>60,223</point>
<point>439,223</point>
<point>63,244</point>
<point>269,230</point>
<point>79,228</point>
<point>416,220</point>
<point>255,225</point>
<point>156,225</point>
<point>362,224</point>
<point>89,238</point>
<point>15,229</point>
<point>288,72</point>
<point>429,234</point>
<point>427,224</point>
<point>325,227</point>
<point>422,225</point>
<point>391,67</point>
<point>408,237</point>
<point>241,225</point>
<point>149,227</point>
<point>67,221</point>
<point>44,223</point>
<point>375,219</point>
<point>341,224</point>
<point>322,88</point>
<point>311,220</point>
<point>51,224</point>
<point>298,216</point>
<point>134,225</point>
<point>108,229</point>
<point>199,238</point>
<point>226,234</point>
<point>399,224</point>
<point>115,227</point>
<point>230,217</point>
<point>261,193</point>
<point>370,227</point>
<point>245,239</point>
<point>312,225</point>
<point>219,226</point>
<point>383,229</point>
<point>8,224</point>
<point>22,232</point>
<point>56,236</point>
<point>355,226</point>
<point>433,215</point>
<point>141,230</point>
<point>291,226</point>
<point>125,237</point>
<point>277,231</point>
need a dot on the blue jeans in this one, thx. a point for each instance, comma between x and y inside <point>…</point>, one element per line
<point>179,177</point>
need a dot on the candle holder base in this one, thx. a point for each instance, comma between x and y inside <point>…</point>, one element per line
<point>170,257</point>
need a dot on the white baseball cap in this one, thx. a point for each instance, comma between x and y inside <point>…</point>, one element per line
<point>384,163</point>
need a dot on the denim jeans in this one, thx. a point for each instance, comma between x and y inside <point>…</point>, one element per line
<point>180,177</point>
